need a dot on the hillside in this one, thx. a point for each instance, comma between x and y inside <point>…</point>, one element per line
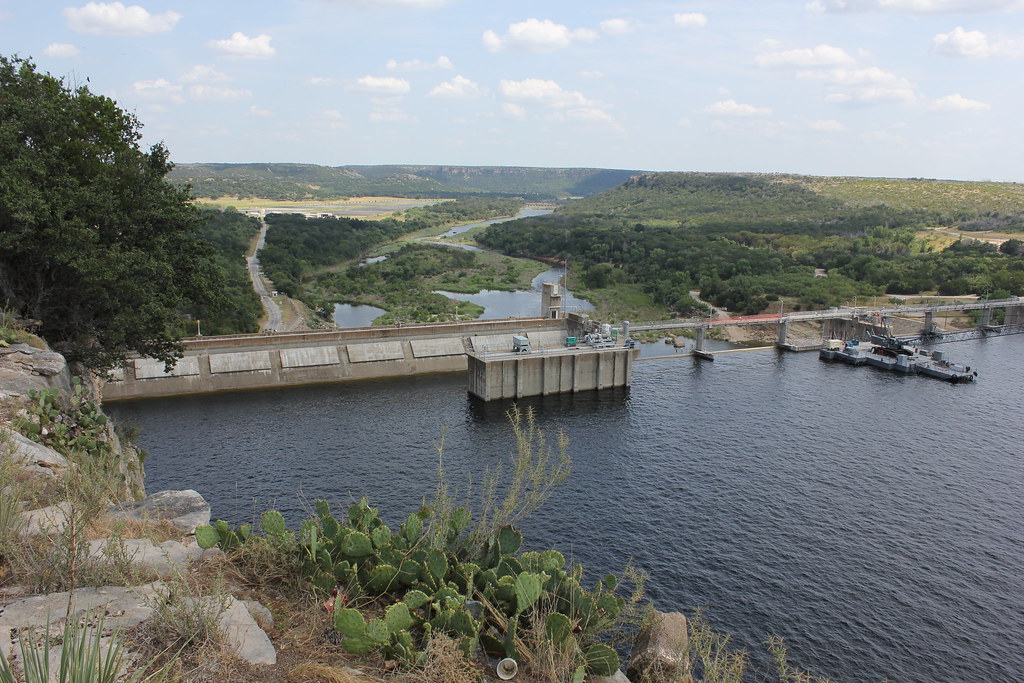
<point>742,200</point>
<point>309,181</point>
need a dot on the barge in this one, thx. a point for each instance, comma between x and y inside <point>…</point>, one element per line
<point>889,353</point>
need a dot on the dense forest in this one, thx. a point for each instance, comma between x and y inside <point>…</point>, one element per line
<point>229,233</point>
<point>745,241</point>
<point>311,182</point>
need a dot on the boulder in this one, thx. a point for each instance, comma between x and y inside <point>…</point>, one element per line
<point>244,636</point>
<point>184,509</point>
<point>34,457</point>
<point>24,367</point>
<point>660,650</point>
<point>261,614</point>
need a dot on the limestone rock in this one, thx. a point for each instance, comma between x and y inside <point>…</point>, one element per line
<point>34,457</point>
<point>184,509</point>
<point>617,677</point>
<point>45,521</point>
<point>244,636</point>
<point>660,650</point>
<point>261,614</point>
<point>164,559</point>
<point>124,608</point>
<point>24,367</point>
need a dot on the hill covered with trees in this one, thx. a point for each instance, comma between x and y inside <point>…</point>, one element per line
<point>312,182</point>
<point>746,240</point>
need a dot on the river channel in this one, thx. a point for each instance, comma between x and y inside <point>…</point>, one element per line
<point>496,303</point>
<point>874,521</point>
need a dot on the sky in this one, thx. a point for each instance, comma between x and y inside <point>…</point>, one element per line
<point>892,88</point>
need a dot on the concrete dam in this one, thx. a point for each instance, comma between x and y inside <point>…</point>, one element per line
<point>231,363</point>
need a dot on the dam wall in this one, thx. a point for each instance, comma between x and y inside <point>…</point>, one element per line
<point>235,362</point>
<point>496,376</point>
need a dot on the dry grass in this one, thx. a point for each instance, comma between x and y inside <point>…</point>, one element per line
<point>315,672</point>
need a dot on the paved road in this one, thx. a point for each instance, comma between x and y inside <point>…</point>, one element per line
<point>275,320</point>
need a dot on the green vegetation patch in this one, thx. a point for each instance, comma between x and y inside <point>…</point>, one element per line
<point>746,241</point>
<point>404,284</point>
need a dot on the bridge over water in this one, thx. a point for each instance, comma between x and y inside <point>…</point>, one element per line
<point>845,322</point>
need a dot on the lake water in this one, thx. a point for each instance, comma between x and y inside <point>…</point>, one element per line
<point>873,520</point>
<point>353,315</point>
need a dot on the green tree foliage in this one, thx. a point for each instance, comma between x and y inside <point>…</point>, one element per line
<point>297,246</point>
<point>464,211</point>
<point>93,242</point>
<point>229,233</point>
<point>744,241</point>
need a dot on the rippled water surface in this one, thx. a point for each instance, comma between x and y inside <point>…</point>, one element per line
<point>875,521</point>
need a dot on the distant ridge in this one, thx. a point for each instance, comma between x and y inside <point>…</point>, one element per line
<point>310,181</point>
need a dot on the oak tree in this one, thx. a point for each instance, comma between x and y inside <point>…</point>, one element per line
<point>94,242</point>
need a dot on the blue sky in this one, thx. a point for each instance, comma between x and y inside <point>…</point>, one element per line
<point>904,88</point>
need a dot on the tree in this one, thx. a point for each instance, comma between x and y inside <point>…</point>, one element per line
<point>94,243</point>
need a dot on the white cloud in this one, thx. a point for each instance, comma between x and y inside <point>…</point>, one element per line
<point>61,50</point>
<point>734,108</point>
<point>592,75</point>
<point>691,19</point>
<point>827,126</point>
<point>441,62</point>
<point>320,80</point>
<point>160,89</point>
<point>821,55</point>
<point>383,85</point>
<point>915,6</point>
<point>114,19</point>
<point>514,110</point>
<point>204,74</point>
<point>459,87</point>
<point>546,92</point>
<point>957,102</point>
<point>212,93</point>
<point>616,27</point>
<point>333,119</point>
<point>589,115</point>
<point>972,44</point>
<point>241,46</point>
<point>535,35</point>
<point>260,112</point>
<point>868,86</point>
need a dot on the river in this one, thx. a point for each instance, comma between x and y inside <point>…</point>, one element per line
<point>875,521</point>
<point>496,303</point>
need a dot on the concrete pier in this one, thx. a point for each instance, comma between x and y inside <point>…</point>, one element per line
<point>495,376</point>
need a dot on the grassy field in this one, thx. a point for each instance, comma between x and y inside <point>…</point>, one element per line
<point>934,195</point>
<point>353,207</point>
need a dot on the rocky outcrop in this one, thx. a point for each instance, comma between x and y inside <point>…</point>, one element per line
<point>24,367</point>
<point>34,458</point>
<point>660,650</point>
<point>162,559</point>
<point>124,607</point>
<point>184,509</point>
